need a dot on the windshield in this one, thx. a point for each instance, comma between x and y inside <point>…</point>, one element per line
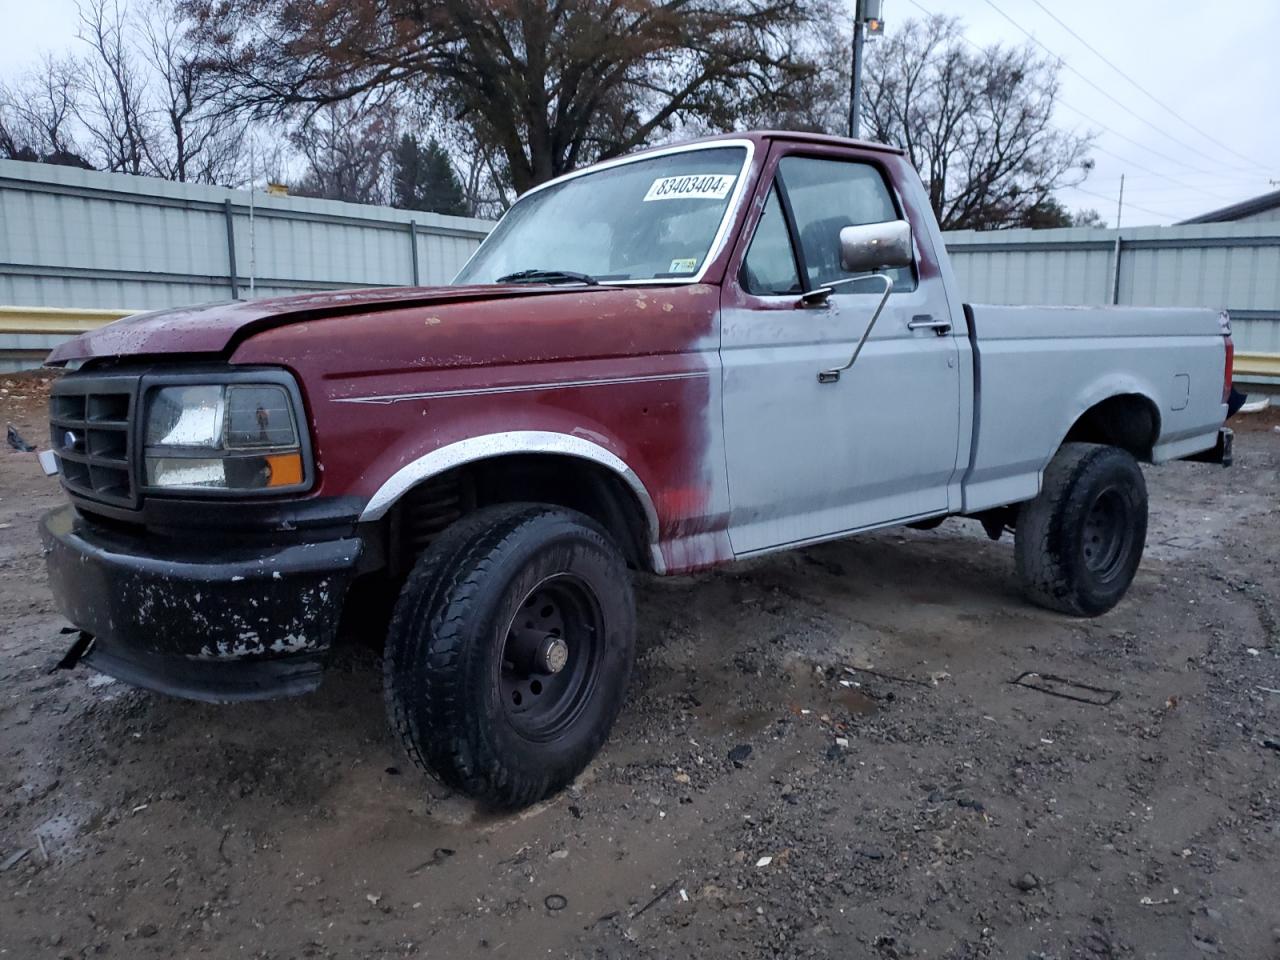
<point>647,219</point>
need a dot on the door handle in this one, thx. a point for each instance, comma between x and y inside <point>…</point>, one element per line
<point>923,321</point>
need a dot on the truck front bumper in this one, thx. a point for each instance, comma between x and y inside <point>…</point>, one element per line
<point>214,624</point>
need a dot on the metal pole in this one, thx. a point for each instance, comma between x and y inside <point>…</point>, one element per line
<point>231,250</point>
<point>253,240</point>
<point>1115,272</point>
<point>1120,202</point>
<point>413,250</point>
<point>855,79</point>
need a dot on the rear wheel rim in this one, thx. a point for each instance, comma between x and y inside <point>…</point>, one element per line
<point>1108,535</point>
<point>551,653</point>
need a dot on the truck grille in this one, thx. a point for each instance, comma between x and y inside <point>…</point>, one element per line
<point>91,430</point>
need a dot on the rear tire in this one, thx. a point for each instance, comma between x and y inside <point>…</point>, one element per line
<point>1078,544</point>
<point>509,652</point>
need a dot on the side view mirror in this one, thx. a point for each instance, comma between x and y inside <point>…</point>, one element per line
<point>875,246</point>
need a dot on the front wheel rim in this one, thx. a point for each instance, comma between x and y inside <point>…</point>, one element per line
<point>551,652</point>
<point>1108,535</point>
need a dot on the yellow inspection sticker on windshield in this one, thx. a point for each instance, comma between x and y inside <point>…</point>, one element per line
<point>694,186</point>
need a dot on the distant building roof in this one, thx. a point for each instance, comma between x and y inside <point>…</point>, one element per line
<point>1238,211</point>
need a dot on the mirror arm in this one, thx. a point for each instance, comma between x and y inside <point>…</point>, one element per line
<point>818,295</point>
<point>832,375</point>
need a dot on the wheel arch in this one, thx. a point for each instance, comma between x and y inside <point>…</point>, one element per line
<point>526,465</point>
<point>1128,419</point>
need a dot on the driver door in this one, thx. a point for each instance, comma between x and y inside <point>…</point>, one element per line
<point>809,460</point>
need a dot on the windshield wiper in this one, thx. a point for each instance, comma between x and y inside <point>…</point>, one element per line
<point>548,276</point>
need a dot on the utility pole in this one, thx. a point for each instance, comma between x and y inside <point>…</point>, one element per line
<point>866,24</point>
<point>855,75</point>
<point>1120,202</point>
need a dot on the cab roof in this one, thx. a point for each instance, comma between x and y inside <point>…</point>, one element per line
<point>825,139</point>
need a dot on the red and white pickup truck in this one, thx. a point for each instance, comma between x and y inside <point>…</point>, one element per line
<point>669,361</point>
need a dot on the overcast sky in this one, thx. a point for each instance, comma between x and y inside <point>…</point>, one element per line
<point>1212,63</point>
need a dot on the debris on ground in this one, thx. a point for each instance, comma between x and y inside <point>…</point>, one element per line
<point>17,442</point>
<point>14,859</point>
<point>739,754</point>
<point>1027,882</point>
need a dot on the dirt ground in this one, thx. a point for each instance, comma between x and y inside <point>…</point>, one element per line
<point>930,808</point>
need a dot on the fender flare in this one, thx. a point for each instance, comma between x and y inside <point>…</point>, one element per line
<point>1104,388</point>
<point>487,446</point>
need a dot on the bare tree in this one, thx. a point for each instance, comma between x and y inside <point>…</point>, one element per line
<point>819,99</point>
<point>190,138</point>
<point>38,114</point>
<point>977,124</point>
<point>114,109</point>
<point>348,152</point>
<point>547,86</point>
<point>486,186</point>
<point>140,99</point>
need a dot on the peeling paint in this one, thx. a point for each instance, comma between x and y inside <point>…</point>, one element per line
<point>290,644</point>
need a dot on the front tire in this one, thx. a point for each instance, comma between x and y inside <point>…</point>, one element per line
<point>509,652</point>
<point>1078,544</point>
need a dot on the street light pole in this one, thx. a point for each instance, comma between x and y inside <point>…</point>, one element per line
<point>867,25</point>
<point>855,81</point>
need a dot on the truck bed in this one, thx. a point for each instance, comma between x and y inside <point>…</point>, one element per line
<point>1038,369</point>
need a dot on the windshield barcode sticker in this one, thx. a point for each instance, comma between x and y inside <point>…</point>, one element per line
<point>697,186</point>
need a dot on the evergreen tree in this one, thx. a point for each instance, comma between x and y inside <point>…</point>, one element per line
<point>422,178</point>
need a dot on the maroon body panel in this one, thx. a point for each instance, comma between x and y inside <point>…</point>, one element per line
<point>638,367</point>
<point>213,328</point>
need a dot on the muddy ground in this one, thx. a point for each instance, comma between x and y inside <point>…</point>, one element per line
<point>929,809</point>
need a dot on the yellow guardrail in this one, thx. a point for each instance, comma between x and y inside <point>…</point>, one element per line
<point>1256,365</point>
<point>55,320</point>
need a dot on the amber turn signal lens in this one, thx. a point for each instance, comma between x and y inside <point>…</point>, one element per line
<point>284,469</point>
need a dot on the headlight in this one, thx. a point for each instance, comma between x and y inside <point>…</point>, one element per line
<point>232,436</point>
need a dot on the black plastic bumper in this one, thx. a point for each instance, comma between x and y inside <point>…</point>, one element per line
<point>191,620</point>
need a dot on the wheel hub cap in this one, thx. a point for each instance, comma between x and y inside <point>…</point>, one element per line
<point>553,655</point>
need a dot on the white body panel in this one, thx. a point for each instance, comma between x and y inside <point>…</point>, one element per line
<point>1039,368</point>
<point>924,425</point>
<point>810,460</point>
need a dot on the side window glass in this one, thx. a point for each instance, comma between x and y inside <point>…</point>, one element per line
<point>827,196</point>
<point>770,264</point>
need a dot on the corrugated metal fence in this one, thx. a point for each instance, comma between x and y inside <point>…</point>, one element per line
<point>81,239</point>
<point>78,238</point>
<point>1232,265</point>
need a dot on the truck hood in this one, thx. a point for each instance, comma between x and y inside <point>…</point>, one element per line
<point>215,328</point>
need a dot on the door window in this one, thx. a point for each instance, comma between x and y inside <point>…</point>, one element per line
<point>825,197</point>
<point>770,265</point>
